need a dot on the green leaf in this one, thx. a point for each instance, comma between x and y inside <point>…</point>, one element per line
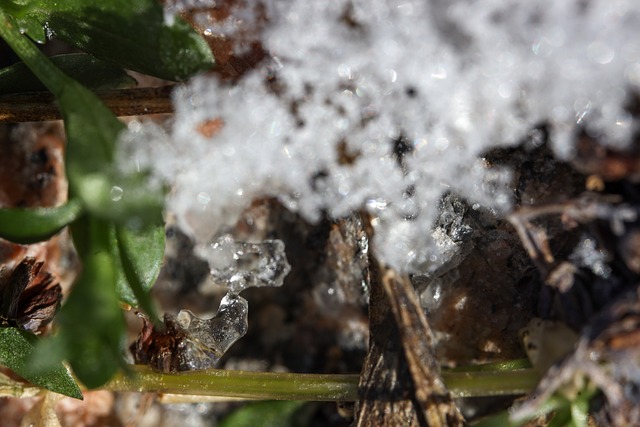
<point>267,414</point>
<point>84,68</point>
<point>92,327</point>
<point>500,419</point>
<point>91,323</point>
<point>562,417</point>
<point>140,254</point>
<point>580,406</point>
<point>505,365</point>
<point>580,413</point>
<point>19,9</point>
<point>36,224</point>
<point>16,349</point>
<point>91,134</point>
<point>109,194</point>
<point>131,33</point>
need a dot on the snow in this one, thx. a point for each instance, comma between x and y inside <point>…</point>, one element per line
<point>451,79</point>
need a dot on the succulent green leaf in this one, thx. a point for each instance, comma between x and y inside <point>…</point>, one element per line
<point>139,254</point>
<point>91,323</point>
<point>109,194</point>
<point>580,406</point>
<point>17,348</point>
<point>19,10</point>
<point>92,327</point>
<point>131,33</point>
<point>500,419</point>
<point>37,224</point>
<point>89,71</point>
<point>562,417</point>
<point>580,413</point>
<point>267,414</point>
<point>91,134</point>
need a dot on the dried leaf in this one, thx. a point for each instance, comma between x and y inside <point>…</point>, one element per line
<point>157,348</point>
<point>417,341</point>
<point>43,413</point>
<point>29,299</point>
<point>606,357</point>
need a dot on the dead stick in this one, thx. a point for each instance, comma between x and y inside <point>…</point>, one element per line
<point>41,106</point>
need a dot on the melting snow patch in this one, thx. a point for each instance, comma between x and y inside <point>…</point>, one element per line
<point>386,105</point>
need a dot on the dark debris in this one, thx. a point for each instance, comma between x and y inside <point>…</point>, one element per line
<point>28,297</point>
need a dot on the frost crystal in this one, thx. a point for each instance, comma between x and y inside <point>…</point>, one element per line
<point>240,265</point>
<point>175,7</point>
<point>317,124</point>
<point>586,254</point>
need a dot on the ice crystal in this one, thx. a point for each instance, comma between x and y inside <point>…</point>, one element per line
<point>240,265</point>
<point>586,254</point>
<point>318,124</point>
<point>209,339</point>
<point>187,342</point>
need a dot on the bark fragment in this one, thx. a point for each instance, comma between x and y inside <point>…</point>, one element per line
<point>400,382</point>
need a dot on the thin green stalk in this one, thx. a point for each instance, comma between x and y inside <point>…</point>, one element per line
<point>504,365</point>
<point>313,387</point>
<point>490,383</point>
<point>241,384</point>
<point>492,379</point>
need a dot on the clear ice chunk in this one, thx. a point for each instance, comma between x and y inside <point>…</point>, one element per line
<point>240,265</point>
<point>188,342</point>
<point>206,340</point>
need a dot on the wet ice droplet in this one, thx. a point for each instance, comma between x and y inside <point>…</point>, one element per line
<point>344,71</point>
<point>600,52</point>
<point>116,193</point>
<point>204,198</point>
<point>377,204</point>
<point>49,33</point>
<point>204,341</point>
<point>440,73</point>
<point>240,265</point>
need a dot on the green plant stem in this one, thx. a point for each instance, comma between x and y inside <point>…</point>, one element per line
<point>313,387</point>
<point>492,379</point>
<point>490,383</point>
<point>241,384</point>
<point>505,365</point>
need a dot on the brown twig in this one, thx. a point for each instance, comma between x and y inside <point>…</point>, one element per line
<point>400,383</point>
<point>41,106</point>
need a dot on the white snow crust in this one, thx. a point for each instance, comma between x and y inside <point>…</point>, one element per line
<point>452,78</point>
